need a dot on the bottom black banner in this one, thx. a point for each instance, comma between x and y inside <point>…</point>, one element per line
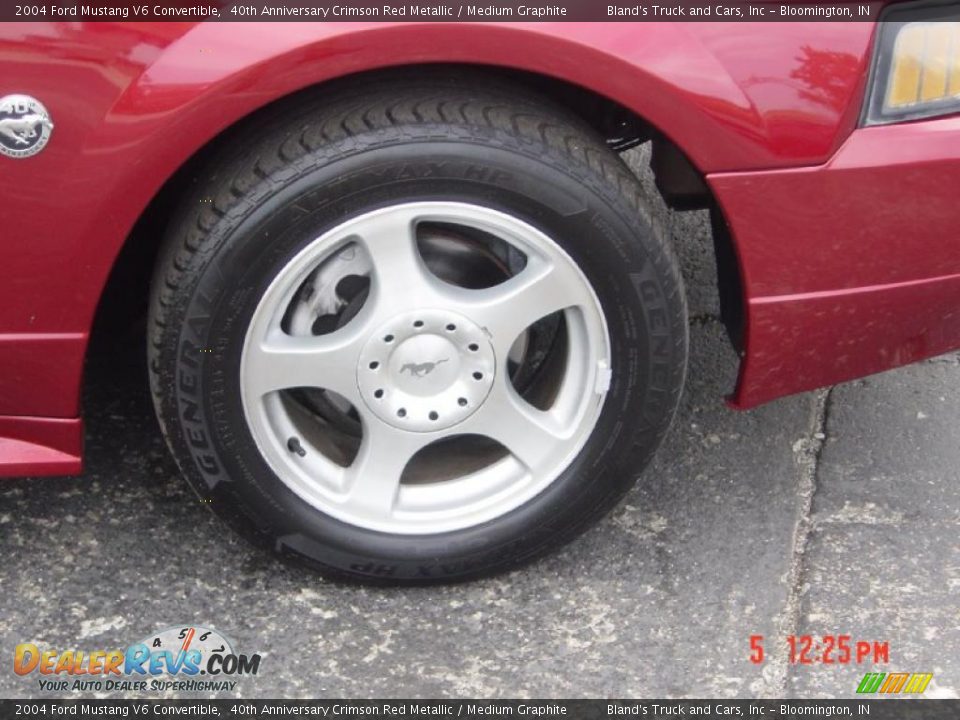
<point>894,709</point>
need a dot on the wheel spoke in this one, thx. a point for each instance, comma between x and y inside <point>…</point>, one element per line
<point>281,361</point>
<point>508,309</point>
<point>401,278</point>
<point>531,435</point>
<point>373,480</point>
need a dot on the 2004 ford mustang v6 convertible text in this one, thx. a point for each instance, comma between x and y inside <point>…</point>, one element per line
<point>410,316</point>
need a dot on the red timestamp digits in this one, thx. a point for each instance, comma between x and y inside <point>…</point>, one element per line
<point>825,650</point>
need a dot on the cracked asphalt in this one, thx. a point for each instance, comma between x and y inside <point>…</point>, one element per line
<point>829,513</point>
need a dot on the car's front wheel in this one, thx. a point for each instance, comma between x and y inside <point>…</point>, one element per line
<point>415,334</point>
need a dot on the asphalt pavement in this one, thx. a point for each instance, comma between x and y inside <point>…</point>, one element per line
<point>834,513</point>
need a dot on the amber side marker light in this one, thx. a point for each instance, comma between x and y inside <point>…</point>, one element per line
<point>916,65</point>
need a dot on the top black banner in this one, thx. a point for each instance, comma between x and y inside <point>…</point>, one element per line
<point>427,11</point>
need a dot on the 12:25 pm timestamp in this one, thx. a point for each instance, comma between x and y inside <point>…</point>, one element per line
<point>825,650</point>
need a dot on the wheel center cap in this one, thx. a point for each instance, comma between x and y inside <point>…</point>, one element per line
<point>424,365</point>
<point>426,370</point>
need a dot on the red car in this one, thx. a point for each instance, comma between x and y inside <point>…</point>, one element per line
<point>410,317</point>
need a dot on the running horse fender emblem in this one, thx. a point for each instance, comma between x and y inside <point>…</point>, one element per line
<point>419,370</point>
<point>25,126</point>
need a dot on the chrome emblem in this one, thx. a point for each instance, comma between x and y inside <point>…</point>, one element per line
<point>418,370</point>
<point>25,126</point>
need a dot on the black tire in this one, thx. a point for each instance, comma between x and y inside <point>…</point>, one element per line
<point>300,167</point>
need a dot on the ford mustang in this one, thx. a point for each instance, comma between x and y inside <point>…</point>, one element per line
<point>409,316</point>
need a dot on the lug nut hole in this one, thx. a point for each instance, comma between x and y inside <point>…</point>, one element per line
<point>402,412</point>
<point>433,415</point>
<point>388,338</point>
<point>451,327</point>
<point>462,402</point>
<point>418,323</point>
<point>473,347</point>
<point>378,394</point>
<point>374,365</point>
<point>478,376</point>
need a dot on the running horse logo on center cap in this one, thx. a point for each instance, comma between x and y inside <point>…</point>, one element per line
<point>418,370</point>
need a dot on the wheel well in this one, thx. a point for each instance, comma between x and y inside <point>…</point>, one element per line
<point>683,187</point>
